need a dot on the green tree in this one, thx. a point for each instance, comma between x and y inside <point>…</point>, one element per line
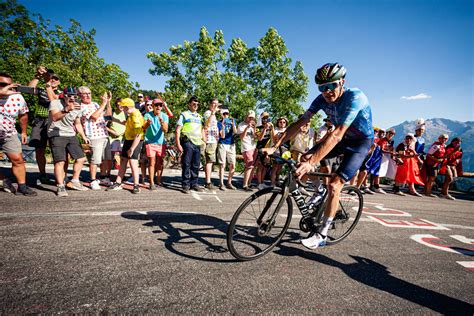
<point>28,41</point>
<point>243,78</point>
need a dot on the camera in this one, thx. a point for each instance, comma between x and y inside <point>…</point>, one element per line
<point>26,89</point>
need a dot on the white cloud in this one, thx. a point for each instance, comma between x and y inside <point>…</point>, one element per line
<point>419,96</point>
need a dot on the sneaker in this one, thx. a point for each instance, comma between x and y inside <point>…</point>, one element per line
<point>415,194</point>
<point>431,195</point>
<point>368,191</point>
<point>153,187</point>
<point>185,190</point>
<point>114,187</point>
<point>222,187</point>
<point>106,182</point>
<point>61,191</point>
<point>400,193</point>
<point>77,186</point>
<point>8,186</point>
<point>247,189</point>
<point>197,188</point>
<point>136,189</point>
<point>447,196</point>
<point>262,186</point>
<point>314,241</point>
<point>26,191</point>
<point>379,190</point>
<point>230,187</point>
<point>209,186</point>
<point>95,185</point>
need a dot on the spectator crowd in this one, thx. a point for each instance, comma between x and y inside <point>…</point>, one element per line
<point>122,133</point>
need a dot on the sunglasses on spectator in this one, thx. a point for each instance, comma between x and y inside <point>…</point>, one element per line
<point>158,104</point>
<point>328,86</point>
<point>3,84</point>
<point>225,113</point>
<point>55,78</point>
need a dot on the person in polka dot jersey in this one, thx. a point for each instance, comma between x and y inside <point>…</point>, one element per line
<point>13,106</point>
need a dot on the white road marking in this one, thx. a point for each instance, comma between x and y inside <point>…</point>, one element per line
<point>463,239</point>
<point>467,264</point>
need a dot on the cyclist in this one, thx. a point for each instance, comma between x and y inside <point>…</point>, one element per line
<point>350,112</point>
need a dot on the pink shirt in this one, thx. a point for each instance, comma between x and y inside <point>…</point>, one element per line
<point>10,109</point>
<point>93,129</point>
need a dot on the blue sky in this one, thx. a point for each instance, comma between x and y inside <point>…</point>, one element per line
<point>412,58</point>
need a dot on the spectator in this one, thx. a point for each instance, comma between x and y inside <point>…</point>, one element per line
<point>13,106</point>
<point>303,141</point>
<point>211,136</point>
<point>374,162</point>
<point>264,138</point>
<point>420,140</point>
<point>132,145</point>
<point>387,165</point>
<point>144,161</point>
<point>226,148</point>
<point>246,131</point>
<point>189,138</point>
<point>95,128</point>
<point>39,125</point>
<point>116,129</point>
<point>141,104</point>
<point>64,120</point>
<point>155,142</point>
<point>452,166</point>
<point>434,159</point>
<point>281,125</point>
<point>408,171</point>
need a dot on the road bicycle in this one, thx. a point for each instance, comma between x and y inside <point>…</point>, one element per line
<point>263,218</point>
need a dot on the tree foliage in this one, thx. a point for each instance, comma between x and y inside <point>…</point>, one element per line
<point>27,41</point>
<point>261,78</point>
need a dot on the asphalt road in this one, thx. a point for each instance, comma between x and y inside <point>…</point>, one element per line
<point>165,252</point>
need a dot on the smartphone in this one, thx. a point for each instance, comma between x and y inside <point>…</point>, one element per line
<point>25,89</point>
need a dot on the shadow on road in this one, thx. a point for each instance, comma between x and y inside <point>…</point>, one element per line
<point>375,275</point>
<point>205,240</point>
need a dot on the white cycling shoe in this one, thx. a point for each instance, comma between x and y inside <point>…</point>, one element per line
<point>314,241</point>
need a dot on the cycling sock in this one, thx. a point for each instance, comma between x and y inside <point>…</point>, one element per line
<point>327,221</point>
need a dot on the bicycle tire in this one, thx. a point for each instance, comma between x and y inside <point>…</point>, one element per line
<point>248,240</point>
<point>347,215</point>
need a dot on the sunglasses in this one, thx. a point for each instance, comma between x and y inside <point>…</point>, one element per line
<point>225,113</point>
<point>328,86</point>
<point>55,78</point>
<point>3,84</point>
<point>158,104</point>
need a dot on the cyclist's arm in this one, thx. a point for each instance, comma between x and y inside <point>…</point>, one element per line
<point>293,129</point>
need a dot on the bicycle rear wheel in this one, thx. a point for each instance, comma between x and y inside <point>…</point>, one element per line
<point>259,224</point>
<point>348,214</point>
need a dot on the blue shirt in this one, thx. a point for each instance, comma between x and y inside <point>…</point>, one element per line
<point>420,145</point>
<point>154,133</point>
<point>352,109</point>
<point>228,131</point>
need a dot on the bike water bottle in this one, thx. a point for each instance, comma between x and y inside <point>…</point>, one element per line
<point>318,195</point>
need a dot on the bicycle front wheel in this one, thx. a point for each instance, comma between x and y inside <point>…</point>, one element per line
<point>348,214</point>
<point>259,224</point>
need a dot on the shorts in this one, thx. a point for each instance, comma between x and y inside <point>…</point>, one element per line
<point>100,150</point>
<point>11,145</point>
<point>155,150</point>
<point>63,145</point>
<point>226,153</point>
<point>249,158</point>
<point>354,151</point>
<point>116,145</point>
<point>431,171</point>
<point>364,167</point>
<point>39,133</point>
<point>210,152</point>
<point>127,144</point>
<point>143,157</point>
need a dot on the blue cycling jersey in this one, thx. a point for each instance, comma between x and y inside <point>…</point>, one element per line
<point>352,109</point>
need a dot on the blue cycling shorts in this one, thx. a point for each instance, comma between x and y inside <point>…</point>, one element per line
<point>354,151</point>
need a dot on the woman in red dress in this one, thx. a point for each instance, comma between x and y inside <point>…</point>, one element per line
<point>408,171</point>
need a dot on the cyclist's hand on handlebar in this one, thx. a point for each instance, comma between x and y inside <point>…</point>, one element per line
<point>303,168</point>
<point>305,157</point>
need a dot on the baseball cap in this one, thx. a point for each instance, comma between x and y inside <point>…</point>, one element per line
<point>127,102</point>
<point>224,110</point>
<point>157,101</point>
<point>140,95</point>
<point>251,113</point>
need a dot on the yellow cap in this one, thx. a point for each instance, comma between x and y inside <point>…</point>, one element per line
<point>127,102</point>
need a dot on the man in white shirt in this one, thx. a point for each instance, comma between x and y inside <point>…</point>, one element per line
<point>248,145</point>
